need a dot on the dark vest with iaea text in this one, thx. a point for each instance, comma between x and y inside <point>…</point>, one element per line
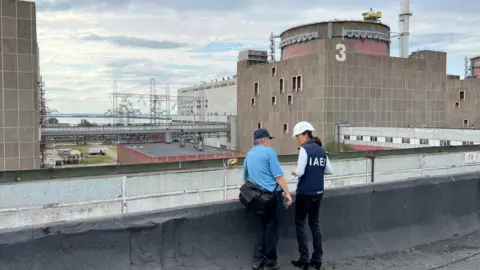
<point>312,181</point>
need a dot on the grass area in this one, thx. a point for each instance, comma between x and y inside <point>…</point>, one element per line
<point>97,160</point>
<point>91,159</point>
<point>84,147</point>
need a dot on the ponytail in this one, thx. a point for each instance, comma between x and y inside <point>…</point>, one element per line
<point>316,139</point>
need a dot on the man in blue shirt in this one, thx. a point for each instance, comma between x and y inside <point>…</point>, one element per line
<point>262,168</point>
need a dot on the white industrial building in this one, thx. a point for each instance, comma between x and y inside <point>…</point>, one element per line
<point>377,138</point>
<point>214,101</point>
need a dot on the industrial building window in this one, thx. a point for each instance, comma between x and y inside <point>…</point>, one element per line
<point>373,139</point>
<point>255,86</point>
<point>299,83</point>
<point>424,141</point>
<point>467,143</point>
<point>405,140</point>
<point>274,71</point>
<point>444,143</point>
<point>457,105</point>
<point>359,138</point>
<point>346,137</point>
<point>294,83</point>
<point>462,95</point>
<point>290,99</point>
<point>389,139</point>
<point>282,86</point>
<point>274,100</point>
<point>285,128</point>
<point>253,101</point>
<point>259,125</point>
<point>465,122</point>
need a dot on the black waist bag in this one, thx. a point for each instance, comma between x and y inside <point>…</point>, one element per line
<point>255,199</point>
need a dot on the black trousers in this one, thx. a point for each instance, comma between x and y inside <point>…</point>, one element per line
<point>308,206</point>
<point>265,250</point>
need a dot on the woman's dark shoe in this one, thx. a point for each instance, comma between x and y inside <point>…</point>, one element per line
<point>257,265</point>
<point>271,266</point>
<point>301,265</point>
<point>316,265</point>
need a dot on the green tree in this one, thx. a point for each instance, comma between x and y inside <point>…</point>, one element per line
<point>84,123</point>
<point>53,121</point>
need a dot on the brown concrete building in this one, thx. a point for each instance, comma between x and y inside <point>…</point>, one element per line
<point>19,114</point>
<point>463,103</point>
<point>338,72</point>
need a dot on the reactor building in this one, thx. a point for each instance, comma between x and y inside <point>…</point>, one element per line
<point>19,134</point>
<point>337,72</point>
<point>463,98</point>
<point>475,66</point>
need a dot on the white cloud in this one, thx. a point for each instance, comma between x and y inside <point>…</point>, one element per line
<point>79,72</point>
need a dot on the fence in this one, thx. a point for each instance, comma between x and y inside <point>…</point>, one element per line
<point>40,202</point>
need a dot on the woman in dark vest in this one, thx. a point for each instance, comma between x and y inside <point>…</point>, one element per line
<point>312,165</point>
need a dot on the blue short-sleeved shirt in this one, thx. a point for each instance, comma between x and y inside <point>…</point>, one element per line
<point>261,167</point>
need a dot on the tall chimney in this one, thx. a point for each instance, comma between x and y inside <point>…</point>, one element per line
<point>404,21</point>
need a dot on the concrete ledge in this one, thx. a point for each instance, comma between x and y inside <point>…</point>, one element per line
<point>356,221</point>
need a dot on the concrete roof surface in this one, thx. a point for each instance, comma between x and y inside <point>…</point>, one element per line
<point>456,253</point>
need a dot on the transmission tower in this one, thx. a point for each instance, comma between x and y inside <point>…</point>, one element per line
<point>468,68</point>
<point>168,108</point>
<point>114,101</point>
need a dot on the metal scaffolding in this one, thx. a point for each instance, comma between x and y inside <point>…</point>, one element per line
<point>43,111</point>
<point>42,108</point>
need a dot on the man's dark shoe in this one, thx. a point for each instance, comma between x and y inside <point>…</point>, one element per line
<point>257,265</point>
<point>316,265</point>
<point>301,265</point>
<point>271,266</point>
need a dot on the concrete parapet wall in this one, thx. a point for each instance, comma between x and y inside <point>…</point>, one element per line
<point>33,203</point>
<point>356,221</point>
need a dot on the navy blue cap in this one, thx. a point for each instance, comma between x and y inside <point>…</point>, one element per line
<point>261,133</point>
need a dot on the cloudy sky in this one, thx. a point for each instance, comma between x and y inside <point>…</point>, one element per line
<point>86,45</point>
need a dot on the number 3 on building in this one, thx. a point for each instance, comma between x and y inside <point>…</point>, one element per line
<point>341,55</point>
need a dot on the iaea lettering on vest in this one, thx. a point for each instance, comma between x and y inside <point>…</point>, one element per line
<point>315,161</point>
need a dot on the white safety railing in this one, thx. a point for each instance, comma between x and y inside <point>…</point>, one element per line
<point>136,128</point>
<point>33,203</point>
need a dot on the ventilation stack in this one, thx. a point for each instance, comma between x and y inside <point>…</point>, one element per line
<point>404,22</point>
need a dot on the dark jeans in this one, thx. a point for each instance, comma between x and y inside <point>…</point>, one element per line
<point>308,205</point>
<point>266,245</point>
